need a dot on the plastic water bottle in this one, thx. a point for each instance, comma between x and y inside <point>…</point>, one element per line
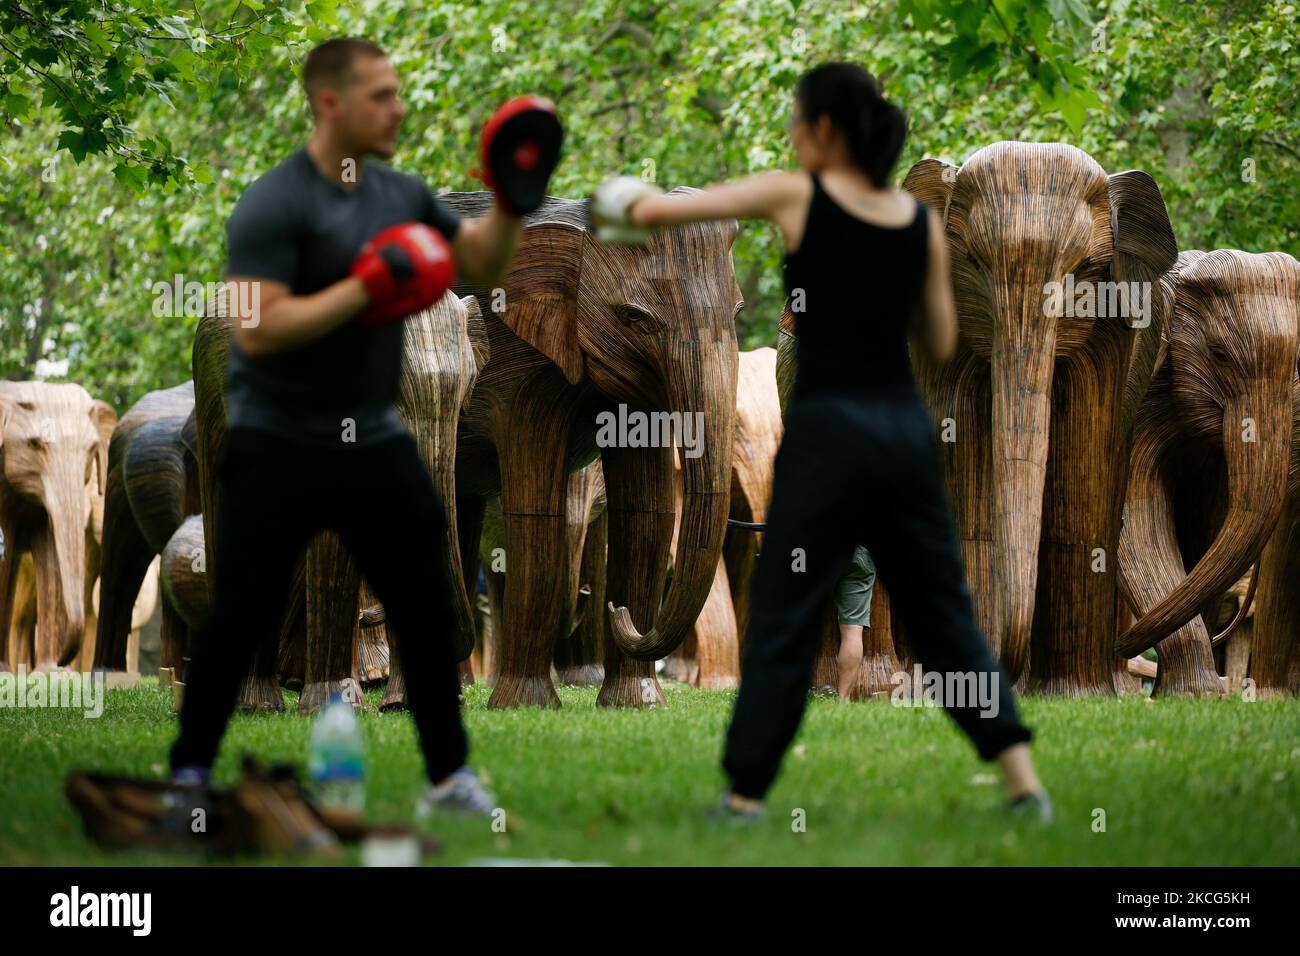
<point>336,759</point>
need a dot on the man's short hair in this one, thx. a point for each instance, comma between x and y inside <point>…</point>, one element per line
<point>329,66</point>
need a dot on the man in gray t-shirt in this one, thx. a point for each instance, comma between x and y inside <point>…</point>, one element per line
<point>301,229</point>
<point>329,254</point>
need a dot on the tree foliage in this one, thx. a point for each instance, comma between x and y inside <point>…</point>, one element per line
<point>133,128</point>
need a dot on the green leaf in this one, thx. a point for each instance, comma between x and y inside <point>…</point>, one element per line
<point>74,143</point>
<point>18,105</point>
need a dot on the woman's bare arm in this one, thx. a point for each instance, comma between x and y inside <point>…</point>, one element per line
<point>938,332</point>
<point>762,196</point>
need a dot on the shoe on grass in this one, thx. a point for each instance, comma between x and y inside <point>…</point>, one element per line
<point>191,775</point>
<point>1036,805</point>
<point>724,811</point>
<point>461,793</point>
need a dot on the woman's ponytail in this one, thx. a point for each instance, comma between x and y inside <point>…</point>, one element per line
<point>873,128</point>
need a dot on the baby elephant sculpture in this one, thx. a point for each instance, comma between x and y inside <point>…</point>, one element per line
<point>1211,451</point>
<point>52,446</point>
<point>152,487</point>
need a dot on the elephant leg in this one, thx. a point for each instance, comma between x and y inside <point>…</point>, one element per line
<point>370,640</point>
<point>469,529</point>
<point>125,561</point>
<point>1072,648</point>
<point>1275,650</point>
<point>826,666</point>
<point>260,692</point>
<point>717,650</point>
<point>8,579</point>
<point>740,554</point>
<point>640,492</point>
<point>1125,683</point>
<point>333,587</point>
<point>879,660</point>
<point>680,665</point>
<point>1236,658</point>
<point>577,657</point>
<point>21,634</point>
<point>291,661</point>
<point>536,602</point>
<point>173,638</point>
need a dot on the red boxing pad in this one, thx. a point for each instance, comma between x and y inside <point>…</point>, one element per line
<point>519,150</point>
<point>405,269</point>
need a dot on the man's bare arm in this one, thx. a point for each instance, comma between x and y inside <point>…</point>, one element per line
<point>274,320</point>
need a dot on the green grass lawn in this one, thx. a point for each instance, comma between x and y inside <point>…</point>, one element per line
<point>1182,782</point>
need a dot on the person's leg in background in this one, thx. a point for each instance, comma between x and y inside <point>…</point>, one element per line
<point>806,548</point>
<point>393,524</point>
<point>914,544</point>
<point>853,612</point>
<point>264,521</point>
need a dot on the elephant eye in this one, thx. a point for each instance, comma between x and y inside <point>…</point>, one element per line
<point>36,442</point>
<point>1220,354</point>
<point>636,317</point>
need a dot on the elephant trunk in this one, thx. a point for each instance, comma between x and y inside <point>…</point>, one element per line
<point>1022,387</point>
<point>1257,476</point>
<point>66,559</point>
<point>439,375</point>
<point>702,388</point>
<point>463,639</point>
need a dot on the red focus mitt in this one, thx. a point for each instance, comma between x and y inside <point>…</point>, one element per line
<point>519,150</point>
<point>405,269</point>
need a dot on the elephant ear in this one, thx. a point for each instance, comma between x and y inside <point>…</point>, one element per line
<point>1142,240</point>
<point>541,292</point>
<point>931,181</point>
<point>1142,250</point>
<point>476,329</point>
<point>104,419</point>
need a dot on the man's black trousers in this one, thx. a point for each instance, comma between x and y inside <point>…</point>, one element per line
<point>273,496</point>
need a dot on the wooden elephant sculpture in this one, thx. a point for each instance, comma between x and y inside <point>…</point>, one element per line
<point>585,338</point>
<point>53,462</point>
<point>1054,269</point>
<point>1211,454</point>
<point>152,487</point>
<point>579,651</point>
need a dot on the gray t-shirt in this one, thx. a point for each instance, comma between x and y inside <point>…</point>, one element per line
<point>297,227</point>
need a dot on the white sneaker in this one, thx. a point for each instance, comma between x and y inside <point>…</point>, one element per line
<point>462,793</point>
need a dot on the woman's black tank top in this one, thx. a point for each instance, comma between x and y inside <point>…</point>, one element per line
<point>860,287</point>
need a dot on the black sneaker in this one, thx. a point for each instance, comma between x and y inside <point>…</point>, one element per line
<point>1032,806</point>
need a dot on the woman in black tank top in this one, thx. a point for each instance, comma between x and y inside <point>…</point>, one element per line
<point>865,270</point>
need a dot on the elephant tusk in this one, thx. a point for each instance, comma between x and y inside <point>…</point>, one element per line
<point>1226,633</point>
<point>622,622</point>
<point>371,616</point>
<point>747,525</point>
